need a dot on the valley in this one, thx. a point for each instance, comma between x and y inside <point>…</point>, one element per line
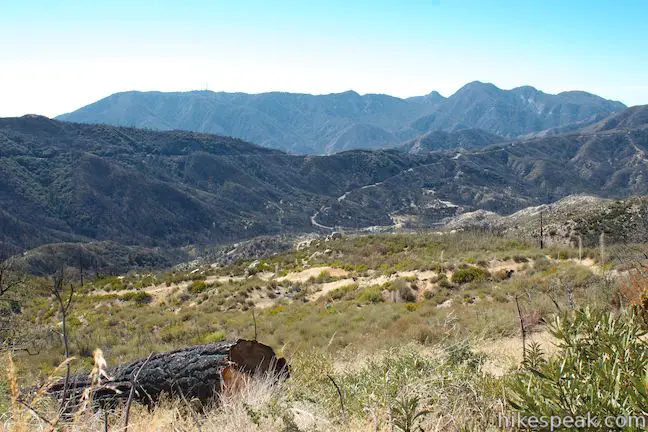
<point>221,190</point>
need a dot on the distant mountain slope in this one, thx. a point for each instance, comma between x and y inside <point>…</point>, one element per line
<point>631,118</point>
<point>292,122</point>
<point>440,140</point>
<point>515,112</point>
<point>303,123</point>
<point>505,178</point>
<point>74,182</point>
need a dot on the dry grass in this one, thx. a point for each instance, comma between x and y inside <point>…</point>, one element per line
<point>378,350</point>
<point>505,354</point>
<point>454,390</point>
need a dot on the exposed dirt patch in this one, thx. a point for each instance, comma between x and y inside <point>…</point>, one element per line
<point>328,287</point>
<point>314,272</point>
<point>223,279</point>
<point>157,292</point>
<point>507,265</point>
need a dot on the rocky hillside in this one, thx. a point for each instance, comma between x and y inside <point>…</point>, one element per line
<point>323,124</point>
<point>504,178</point>
<point>631,118</point>
<point>560,219</point>
<point>565,221</point>
<point>73,182</point>
<point>462,139</point>
<point>62,182</point>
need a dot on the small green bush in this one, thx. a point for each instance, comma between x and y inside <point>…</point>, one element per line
<point>213,337</point>
<point>600,369</point>
<point>470,274</point>
<point>139,297</point>
<point>463,354</point>
<point>407,294</point>
<point>197,287</point>
<point>323,277</point>
<point>372,294</point>
<point>445,283</point>
<point>542,264</point>
<point>343,293</point>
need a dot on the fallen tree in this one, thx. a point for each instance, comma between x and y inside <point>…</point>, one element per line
<point>198,373</point>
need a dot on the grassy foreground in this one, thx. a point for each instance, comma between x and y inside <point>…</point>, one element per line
<point>416,331</point>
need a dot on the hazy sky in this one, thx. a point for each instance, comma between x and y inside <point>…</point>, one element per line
<point>60,55</point>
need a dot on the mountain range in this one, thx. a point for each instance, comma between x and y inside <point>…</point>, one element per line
<point>324,124</point>
<point>63,182</point>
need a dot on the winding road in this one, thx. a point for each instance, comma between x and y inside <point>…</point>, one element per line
<point>341,198</point>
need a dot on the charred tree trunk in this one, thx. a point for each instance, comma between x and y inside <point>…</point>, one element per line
<point>195,373</point>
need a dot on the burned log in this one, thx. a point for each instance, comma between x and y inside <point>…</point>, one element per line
<point>197,373</point>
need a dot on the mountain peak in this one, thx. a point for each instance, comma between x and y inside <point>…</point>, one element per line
<point>526,90</point>
<point>349,93</point>
<point>35,117</point>
<point>431,98</point>
<point>478,86</point>
<point>434,94</point>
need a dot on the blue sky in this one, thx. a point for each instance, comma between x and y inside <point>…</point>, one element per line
<point>60,55</point>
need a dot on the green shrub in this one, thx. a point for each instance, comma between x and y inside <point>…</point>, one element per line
<point>139,297</point>
<point>411,307</point>
<point>172,333</point>
<point>373,294</point>
<point>445,283</point>
<point>197,287</point>
<point>469,274</point>
<point>109,283</point>
<point>407,414</point>
<point>213,337</point>
<point>462,354</point>
<point>601,369</point>
<point>4,395</point>
<point>343,293</point>
<point>323,277</point>
<point>542,264</point>
<point>407,294</point>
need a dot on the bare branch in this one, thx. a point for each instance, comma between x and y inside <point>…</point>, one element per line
<point>33,411</point>
<point>522,328</point>
<point>10,276</point>
<point>339,391</point>
<point>132,391</point>
<point>58,284</point>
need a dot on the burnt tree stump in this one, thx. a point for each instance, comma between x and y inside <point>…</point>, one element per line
<point>195,373</point>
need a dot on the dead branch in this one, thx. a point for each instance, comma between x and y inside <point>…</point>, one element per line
<point>522,328</point>
<point>132,391</point>
<point>339,391</point>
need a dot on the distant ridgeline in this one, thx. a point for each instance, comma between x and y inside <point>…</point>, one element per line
<point>303,123</point>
